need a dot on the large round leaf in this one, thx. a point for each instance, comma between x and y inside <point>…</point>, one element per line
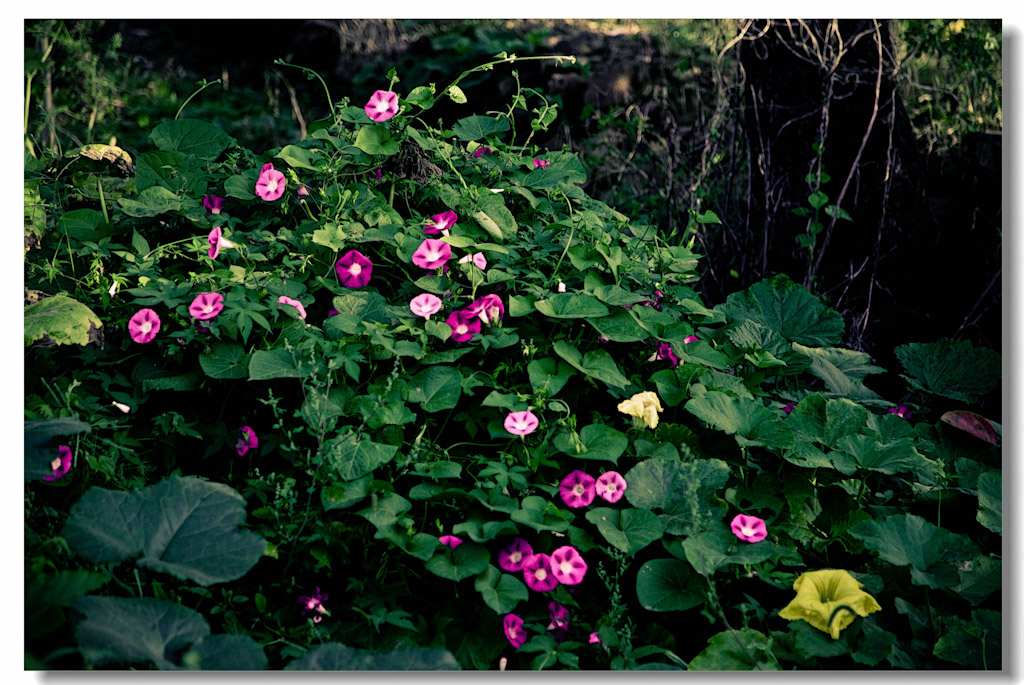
<point>468,559</point>
<point>183,526</point>
<point>630,529</point>
<point>668,585</point>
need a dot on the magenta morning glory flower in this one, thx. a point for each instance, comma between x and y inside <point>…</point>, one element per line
<point>521,422</point>
<point>594,639</point>
<point>426,304</point>
<point>440,223</point>
<point>901,411</point>
<point>665,352</point>
<point>464,327</point>
<point>568,566</point>
<point>61,464</point>
<point>382,106</point>
<point>431,253</point>
<point>789,407</point>
<point>206,306</point>
<point>450,541</point>
<point>481,151</point>
<point>577,489</point>
<point>353,269</point>
<point>514,630</point>
<point>610,486</point>
<point>378,174</point>
<point>515,555</point>
<point>489,308</point>
<point>216,241</point>
<point>690,339</point>
<point>314,604</point>
<point>540,163</point>
<point>213,204</point>
<point>332,312</point>
<point>270,184</point>
<point>246,440</point>
<point>295,303</point>
<point>559,616</point>
<point>144,326</point>
<point>477,258</point>
<point>538,574</point>
<point>749,528</point>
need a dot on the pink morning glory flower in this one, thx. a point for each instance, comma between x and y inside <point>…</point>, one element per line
<point>450,541</point>
<point>568,566</point>
<point>431,254</point>
<point>538,574</point>
<point>353,269</point>
<point>690,339</point>
<point>594,639</point>
<point>540,163</point>
<point>901,411</point>
<point>295,303</point>
<point>246,440</point>
<point>314,604</point>
<point>514,630</point>
<point>213,204</point>
<point>216,241</point>
<point>477,258</point>
<point>521,422</point>
<point>302,191</point>
<point>61,464</point>
<point>382,106</point>
<point>426,304</point>
<point>144,326</point>
<point>464,327</point>
<point>749,528</point>
<point>665,352</point>
<point>440,223</point>
<point>559,616</point>
<point>515,555</point>
<point>206,306</point>
<point>577,489</point>
<point>481,151</point>
<point>489,308</point>
<point>270,184</point>
<point>610,486</point>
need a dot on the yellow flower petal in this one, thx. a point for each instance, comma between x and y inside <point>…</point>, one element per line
<point>643,405</point>
<point>829,600</point>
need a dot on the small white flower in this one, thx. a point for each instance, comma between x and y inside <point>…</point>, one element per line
<point>561,287</point>
<point>497,190</point>
<point>114,287</point>
<point>123,407</point>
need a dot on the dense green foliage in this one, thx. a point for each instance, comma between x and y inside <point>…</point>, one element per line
<point>177,539</point>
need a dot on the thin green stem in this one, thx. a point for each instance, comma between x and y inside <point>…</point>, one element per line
<point>202,86</point>
<point>312,74</point>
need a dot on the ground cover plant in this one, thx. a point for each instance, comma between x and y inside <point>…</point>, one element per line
<point>402,395</point>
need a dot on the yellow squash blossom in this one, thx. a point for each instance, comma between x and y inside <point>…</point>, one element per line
<point>644,406</point>
<point>829,600</point>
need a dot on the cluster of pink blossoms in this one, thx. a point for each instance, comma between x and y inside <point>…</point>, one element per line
<point>578,488</point>
<point>542,573</point>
